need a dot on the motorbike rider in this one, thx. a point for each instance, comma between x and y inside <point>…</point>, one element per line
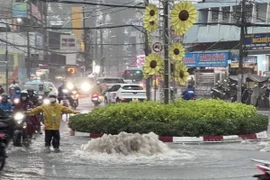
<point>52,120</point>
<point>16,95</point>
<point>24,105</point>
<point>60,91</point>
<point>1,89</point>
<point>97,88</point>
<point>40,89</point>
<point>5,105</point>
<point>189,93</point>
<point>14,84</point>
<point>32,97</point>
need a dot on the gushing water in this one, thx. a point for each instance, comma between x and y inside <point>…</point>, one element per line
<point>127,144</point>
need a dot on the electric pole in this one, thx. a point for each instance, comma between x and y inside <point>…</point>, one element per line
<point>101,53</point>
<point>241,50</point>
<point>166,54</point>
<point>6,58</point>
<point>147,51</point>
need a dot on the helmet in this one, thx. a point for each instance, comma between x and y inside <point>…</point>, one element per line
<point>52,95</point>
<point>98,82</point>
<point>24,93</point>
<point>30,90</point>
<point>47,91</point>
<point>5,95</point>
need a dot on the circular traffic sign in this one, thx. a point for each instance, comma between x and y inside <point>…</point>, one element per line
<point>157,47</point>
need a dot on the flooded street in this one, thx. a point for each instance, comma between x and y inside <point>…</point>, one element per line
<point>179,162</point>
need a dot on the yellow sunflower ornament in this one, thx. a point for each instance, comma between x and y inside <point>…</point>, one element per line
<point>183,16</point>
<point>153,64</point>
<point>177,52</point>
<point>151,13</point>
<point>150,26</point>
<point>181,73</point>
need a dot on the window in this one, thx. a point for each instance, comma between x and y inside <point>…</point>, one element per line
<point>132,87</point>
<point>225,14</point>
<point>111,80</point>
<point>215,13</point>
<point>115,88</point>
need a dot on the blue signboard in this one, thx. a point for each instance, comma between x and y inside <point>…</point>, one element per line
<point>257,41</point>
<point>19,9</point>
<point>211,59</point>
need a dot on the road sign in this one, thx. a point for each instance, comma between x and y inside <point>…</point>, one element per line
<point>157,47</point>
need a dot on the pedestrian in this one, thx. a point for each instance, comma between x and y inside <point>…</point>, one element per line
<point>257,93</point>
<point>52,119</point>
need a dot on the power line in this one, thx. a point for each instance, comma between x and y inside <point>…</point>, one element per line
<point>96,4</point>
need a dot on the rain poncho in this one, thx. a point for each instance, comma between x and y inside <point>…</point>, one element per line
<point>7,107</point>
<point>52,114</point>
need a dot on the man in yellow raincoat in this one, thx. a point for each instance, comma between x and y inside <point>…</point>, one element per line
<point>52,119</point>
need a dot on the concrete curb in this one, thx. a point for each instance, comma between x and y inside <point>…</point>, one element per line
<point>195,140</point>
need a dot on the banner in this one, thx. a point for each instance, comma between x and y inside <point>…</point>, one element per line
<point>19,10</point>
<point>257,41</point>
<point>211,59</point>
<point>77,22</point>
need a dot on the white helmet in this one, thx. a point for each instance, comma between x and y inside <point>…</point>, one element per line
<point>52,94</point>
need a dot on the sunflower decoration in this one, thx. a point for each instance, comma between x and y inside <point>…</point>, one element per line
<point>181,73</point>
<point>151,13</point>
<point>150,18</point>
<point>150,26</point>
<point>177,52</point>
<point>183,16</point>
<point>153,64</point>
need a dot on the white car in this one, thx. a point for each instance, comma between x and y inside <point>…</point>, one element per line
<point>125,93</point>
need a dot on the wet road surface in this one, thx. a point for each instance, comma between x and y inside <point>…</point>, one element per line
<point>182,162</point>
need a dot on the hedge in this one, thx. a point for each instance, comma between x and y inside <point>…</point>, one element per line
<point>181,118</point>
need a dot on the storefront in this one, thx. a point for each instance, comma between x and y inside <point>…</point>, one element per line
<point>258,46</point>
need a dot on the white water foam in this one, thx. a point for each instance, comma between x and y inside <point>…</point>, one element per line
<point>130,148</point>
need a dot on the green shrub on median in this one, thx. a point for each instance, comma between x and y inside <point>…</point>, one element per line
<point>181,118</point>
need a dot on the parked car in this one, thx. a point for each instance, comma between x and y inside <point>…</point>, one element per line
<point>108,82</point>
<point>125,93</point>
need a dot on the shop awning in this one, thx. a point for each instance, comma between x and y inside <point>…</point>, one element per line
<point>234,78</point>
<point>257,78</point>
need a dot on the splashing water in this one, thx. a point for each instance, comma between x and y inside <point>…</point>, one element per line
<point>127,144</point>
<point>127,147</point>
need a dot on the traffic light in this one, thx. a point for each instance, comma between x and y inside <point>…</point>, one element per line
<point>71,70</point>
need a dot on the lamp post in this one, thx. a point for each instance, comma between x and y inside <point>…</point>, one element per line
<point>6,58</point>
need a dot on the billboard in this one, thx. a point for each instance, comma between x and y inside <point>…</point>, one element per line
<point>77,22</point>
<point>257,41</point>
<point>207,59</point>
<point>19,9</point>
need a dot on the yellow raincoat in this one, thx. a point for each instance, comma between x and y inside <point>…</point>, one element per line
<point>52,114</point>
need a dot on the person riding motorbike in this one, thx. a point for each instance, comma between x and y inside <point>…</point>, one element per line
<point>33,123</point>
<point>16,95</point>
<point>32,97</point>
<point>1,89</point>
<point>14,84</point>
<point>46,93</point>
<point>60,92</point>
<point>40,90</point>
<point>97,88</point>
<point>189,93</point>
<point>5,105</point>
<point>52,120</point>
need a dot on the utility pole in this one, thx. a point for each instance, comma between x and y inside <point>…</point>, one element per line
<point>101,53</point>
<point>85,43</point>
<point>6,58</point>
<point>166,54</point>
<point>241,49</point>
<point>147,51</point>
<point>28,54</point>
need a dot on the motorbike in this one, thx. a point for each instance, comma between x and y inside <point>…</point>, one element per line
<point>74,99</point>
<point>22,135</point>
<point>40,99</point>
<point>6,132</point>
<point>96,99</point>
<point>264,167</point>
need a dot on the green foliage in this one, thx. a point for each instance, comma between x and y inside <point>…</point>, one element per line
<point>181,118</point>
